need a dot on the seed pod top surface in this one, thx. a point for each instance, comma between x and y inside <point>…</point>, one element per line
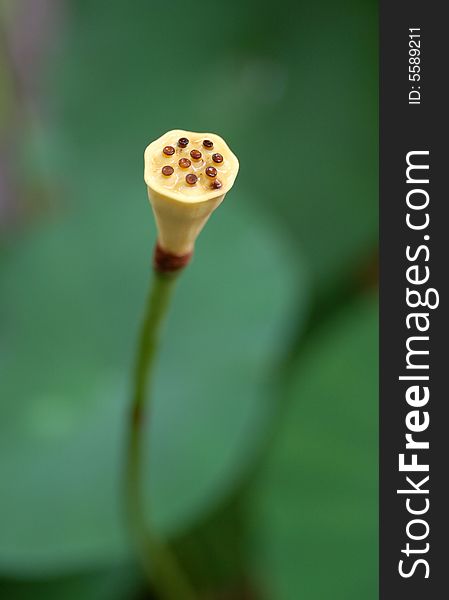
<point>175,185</point>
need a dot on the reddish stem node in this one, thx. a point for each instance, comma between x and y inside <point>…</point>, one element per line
<point>164,262</point>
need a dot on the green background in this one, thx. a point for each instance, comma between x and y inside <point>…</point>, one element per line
<point>263,445</point>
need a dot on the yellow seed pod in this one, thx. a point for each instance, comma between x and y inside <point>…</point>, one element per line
<point>187,175</point>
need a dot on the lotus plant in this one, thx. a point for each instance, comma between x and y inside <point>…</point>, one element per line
<point>187,175</point>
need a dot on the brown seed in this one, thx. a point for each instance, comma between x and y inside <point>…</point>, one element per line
<point>168,150</point>
<point>216,184</point>
<point>191,178</point>
<point>208,144</point>
<point>217,158</point>
<point>184,163</point>
<point>211,171</point>
<point>183,142</point>
<point>167,170</point>
<point>195,154</point>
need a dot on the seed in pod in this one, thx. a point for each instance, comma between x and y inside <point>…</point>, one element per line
<point>211,171</point>
<point>216,184</point>
<point>167,170</point>
<point>183,142</point>
<point>208,144</point>
<point>184,163</point>
<point>168,150</point>
<point>195,154</point>
<point>191,178</point>
<point>217,158</point>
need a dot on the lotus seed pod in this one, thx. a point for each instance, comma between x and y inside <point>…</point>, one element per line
<point>184,196</point>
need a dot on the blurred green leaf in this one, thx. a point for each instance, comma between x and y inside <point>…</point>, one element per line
<point>111,584</point>
<point>73,294</point>
<point>315,506</point>
<point>296,84</point>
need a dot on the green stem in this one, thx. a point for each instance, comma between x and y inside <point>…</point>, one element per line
<point>158,561</point>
